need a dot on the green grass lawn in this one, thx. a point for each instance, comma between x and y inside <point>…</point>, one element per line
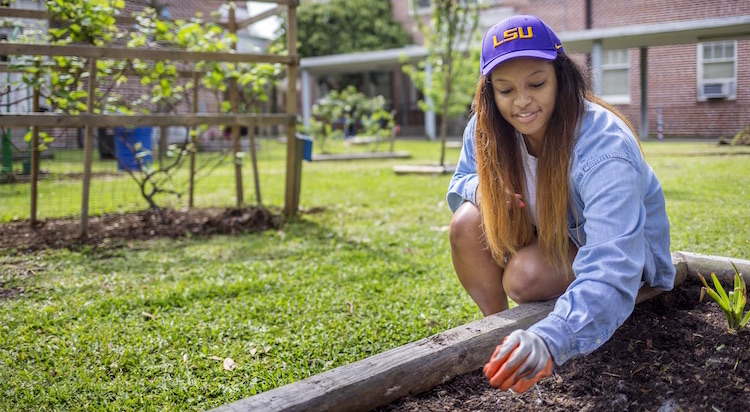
<point>369,270</point>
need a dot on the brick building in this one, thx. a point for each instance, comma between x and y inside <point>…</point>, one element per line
<point>697,60</point>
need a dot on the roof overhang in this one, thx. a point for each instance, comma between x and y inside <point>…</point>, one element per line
<point>363,61</point>
<point>626,37</point>
<point>661,34</point>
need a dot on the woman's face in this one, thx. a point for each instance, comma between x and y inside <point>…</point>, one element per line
<point>525,90</point>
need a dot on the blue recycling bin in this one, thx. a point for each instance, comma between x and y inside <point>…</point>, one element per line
<point>307,146</point>
<point>132,142</point>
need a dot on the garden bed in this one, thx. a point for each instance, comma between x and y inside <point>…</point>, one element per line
<point>118,228</point>
<point>672,354</point>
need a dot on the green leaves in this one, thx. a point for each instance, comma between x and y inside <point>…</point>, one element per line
<point>453,58</point>
<point>349,107</point>
<point>732,303</point>
<point>90,22</point>
<point>345,26</point>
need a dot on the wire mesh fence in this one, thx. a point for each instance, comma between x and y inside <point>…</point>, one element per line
<point>118,179</point>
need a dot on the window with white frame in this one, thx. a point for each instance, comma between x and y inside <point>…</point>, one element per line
<point>422,7</point>
<point>717,70</point>
<point>616,76</point>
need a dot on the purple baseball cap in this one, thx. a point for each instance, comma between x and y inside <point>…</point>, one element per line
<point>518,36</point>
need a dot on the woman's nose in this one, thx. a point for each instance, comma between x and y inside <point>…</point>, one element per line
<point>522,99</point>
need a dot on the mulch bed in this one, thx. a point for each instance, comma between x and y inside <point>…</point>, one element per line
<point>117,228</point>
<point>672,354</point>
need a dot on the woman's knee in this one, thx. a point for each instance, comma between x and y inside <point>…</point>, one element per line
<point>466,226</point>
<point>528,277</point>
<point>522,276</point>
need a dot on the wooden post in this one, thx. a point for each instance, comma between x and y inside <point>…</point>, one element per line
<point>254,156</point>
<point>193,140</point>
<point>234,99</point>
<point>87,149</point>
<point>293,158</point>
<point>35,155</point>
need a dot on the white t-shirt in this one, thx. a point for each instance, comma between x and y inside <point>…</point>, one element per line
<point>529,173</point>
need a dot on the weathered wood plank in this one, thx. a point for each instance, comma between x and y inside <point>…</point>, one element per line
<point>412,368</point>
<point>145,54</point>
<point>423,169</point>
<point>706,264</point>
<point>266,14</point>
<point>360,156</point>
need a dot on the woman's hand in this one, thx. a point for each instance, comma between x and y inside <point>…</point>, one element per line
<point>513,198</point>
<point>519,362</point>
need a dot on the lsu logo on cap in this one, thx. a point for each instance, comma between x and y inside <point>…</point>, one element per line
<point>513,34</point>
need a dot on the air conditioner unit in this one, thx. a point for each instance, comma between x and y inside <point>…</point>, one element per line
<point>716,90</point>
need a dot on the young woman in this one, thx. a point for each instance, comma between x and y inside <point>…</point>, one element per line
<point>552,198</point>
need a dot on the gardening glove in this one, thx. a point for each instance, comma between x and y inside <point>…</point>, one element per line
<point>519,362</point>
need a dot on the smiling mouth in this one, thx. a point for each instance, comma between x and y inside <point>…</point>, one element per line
<point>526,117</point>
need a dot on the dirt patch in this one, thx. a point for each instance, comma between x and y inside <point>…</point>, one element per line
<point>113,229</point>
<point>672,354</point>
<point>13,270</point>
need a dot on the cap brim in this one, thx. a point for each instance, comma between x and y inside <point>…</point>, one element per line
<point>537,54</point>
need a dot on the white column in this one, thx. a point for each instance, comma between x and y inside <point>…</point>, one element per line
<point>596,67</point>
<point>644,93</point>
<point>306,102</point>
<point>429,115</point>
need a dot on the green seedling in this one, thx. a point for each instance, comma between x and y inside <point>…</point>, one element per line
<point>731,304</point>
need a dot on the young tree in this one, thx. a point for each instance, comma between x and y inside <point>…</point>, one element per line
<point>350,108</point>
<point>448,35</point>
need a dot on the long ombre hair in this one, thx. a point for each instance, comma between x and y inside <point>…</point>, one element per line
<point>500,170</point>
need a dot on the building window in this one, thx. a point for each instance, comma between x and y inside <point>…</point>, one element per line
<point>422,7</point>
<point>717,70</point>
<point>616,76</point>
<point>3,57</point>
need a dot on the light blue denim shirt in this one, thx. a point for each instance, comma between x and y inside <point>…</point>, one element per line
<point>619,224</point>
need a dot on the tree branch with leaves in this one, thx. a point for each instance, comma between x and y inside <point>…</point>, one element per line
<point>450,83</point>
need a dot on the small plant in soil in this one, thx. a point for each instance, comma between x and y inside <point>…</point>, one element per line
<point>733,303</point>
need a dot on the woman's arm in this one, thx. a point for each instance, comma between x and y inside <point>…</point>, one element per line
<point>608,267</point>
<point>463,184</point>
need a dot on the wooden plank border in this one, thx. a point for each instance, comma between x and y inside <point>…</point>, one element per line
<point>112,120</point>
<point>419,366</point>
<point>13,49</point>
<point>707,264</point>
<point>120,19</point>
<point>360,156</point>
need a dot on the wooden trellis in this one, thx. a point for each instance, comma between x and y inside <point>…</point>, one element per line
<point>90,120</point>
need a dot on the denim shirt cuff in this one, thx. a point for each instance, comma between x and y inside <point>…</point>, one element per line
<point>558,337</point>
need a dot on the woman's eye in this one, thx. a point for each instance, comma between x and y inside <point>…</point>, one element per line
<point>537,85</point>
<point>504,91</point>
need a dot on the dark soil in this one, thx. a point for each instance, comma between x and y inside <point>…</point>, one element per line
<point>112,229</point>
<point>672,354</point>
